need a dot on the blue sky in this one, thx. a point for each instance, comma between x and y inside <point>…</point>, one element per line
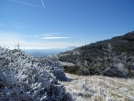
<point>40,24</point>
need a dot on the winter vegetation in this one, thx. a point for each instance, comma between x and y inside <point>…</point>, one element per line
<point>99,88</point>
<point>23,78</point>
<point>113,57</point>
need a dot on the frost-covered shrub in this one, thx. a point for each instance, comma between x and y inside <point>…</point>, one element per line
<point>110,64</point>
<point>110,57</point>
<point>22,79</point>
<point>83,71</point>
<point>114,71</point>
<point>113,65</point>
<point>52,64</point>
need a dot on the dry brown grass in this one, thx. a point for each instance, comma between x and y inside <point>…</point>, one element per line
<point>99,88</point>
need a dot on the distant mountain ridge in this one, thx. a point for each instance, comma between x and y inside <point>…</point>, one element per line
<point>44,52</point>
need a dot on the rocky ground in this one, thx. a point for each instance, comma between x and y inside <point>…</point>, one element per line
<point>99,88</point>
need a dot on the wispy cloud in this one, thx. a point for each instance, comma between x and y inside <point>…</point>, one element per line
<point>54,37</point>
<point>11,39</point>
<point>43,3</point>
<point>24,3</point>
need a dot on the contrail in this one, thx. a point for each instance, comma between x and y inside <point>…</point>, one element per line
<point>43,4</point>
<point>26,4</point>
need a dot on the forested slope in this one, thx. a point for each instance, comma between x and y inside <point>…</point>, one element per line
<point>97,57</point>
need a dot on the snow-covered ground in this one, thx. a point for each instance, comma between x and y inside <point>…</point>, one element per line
<point>99,88</point>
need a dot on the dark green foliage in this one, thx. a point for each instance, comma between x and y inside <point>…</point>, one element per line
<point>71,69</point>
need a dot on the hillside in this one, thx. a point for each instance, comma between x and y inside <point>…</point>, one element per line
<point>120,44</point>
<point>99,55</point>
